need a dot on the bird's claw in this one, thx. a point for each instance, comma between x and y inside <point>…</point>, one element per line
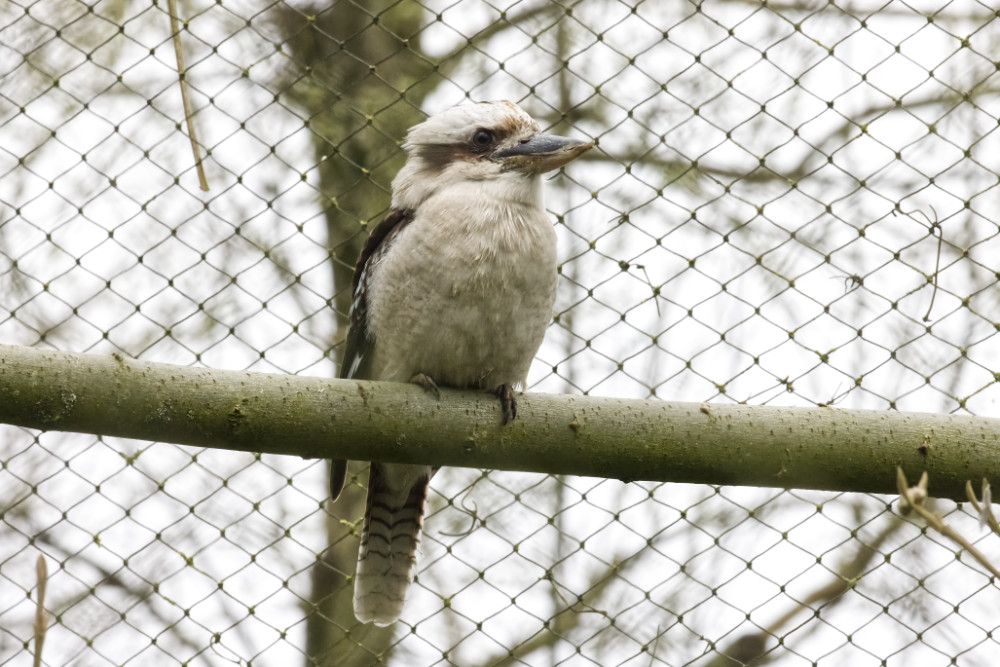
<point>508,403</point>
<point>427,383</point>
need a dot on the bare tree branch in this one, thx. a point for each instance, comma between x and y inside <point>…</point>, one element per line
<point>811,448</point>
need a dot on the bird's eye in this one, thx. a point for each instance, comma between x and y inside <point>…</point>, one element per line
<point>482,138</point>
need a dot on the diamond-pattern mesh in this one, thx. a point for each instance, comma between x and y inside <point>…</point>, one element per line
<point>790,203</point>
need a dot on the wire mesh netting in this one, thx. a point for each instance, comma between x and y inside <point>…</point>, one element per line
<point>790,203</point>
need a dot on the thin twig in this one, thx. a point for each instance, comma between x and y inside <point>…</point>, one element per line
<point>41,619</point>
<point>912,498</point>
<point>175,27</point>
<point>934,226</point>
<point>472,512</point>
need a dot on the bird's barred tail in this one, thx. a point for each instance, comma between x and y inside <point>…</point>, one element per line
<point>396,496</point>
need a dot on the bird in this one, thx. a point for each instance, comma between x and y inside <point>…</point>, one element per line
<point>453,288</point>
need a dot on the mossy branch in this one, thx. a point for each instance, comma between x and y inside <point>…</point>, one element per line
<point>812,448</point>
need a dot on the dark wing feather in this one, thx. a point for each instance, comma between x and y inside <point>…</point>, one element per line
<point>360,341</point>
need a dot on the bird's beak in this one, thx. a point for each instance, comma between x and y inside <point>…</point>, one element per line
<point>543,152</point>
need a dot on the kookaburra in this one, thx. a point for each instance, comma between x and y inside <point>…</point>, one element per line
<point>454,288</point>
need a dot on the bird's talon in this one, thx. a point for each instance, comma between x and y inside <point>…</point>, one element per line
<point>427,383</point>
<point>508,404</point>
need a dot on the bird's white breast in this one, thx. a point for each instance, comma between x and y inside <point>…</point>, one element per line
<point>465,291</point>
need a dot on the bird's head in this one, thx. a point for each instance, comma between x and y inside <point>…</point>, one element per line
<point>486,143</point>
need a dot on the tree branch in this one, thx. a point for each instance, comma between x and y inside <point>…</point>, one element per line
<point>810,448</point>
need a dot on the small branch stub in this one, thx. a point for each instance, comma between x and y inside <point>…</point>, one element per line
<point>911,498</point>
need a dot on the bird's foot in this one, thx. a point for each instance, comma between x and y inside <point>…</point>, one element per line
<point>508,404</point>
<point>427,383</point>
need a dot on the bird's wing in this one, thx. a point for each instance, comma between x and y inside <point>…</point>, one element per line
<point>360,341</point>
